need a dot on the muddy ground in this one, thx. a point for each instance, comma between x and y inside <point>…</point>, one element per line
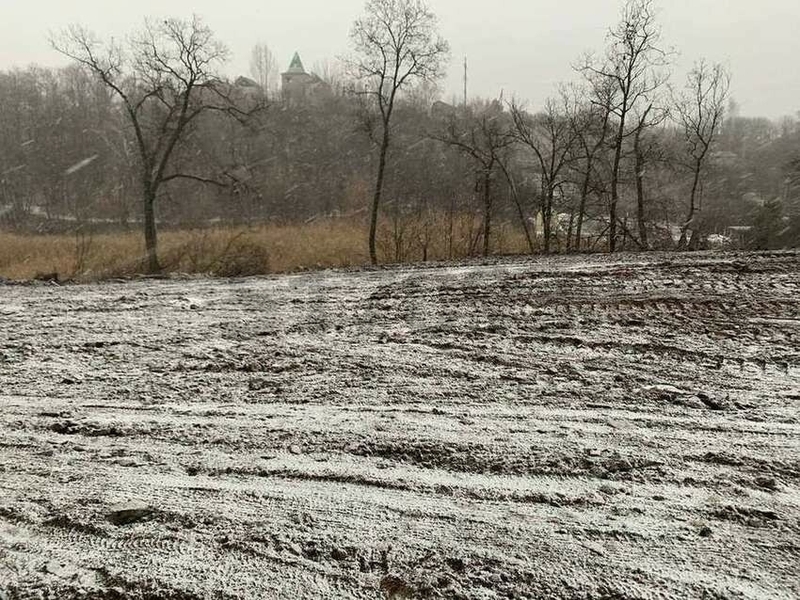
<point>623,427</point>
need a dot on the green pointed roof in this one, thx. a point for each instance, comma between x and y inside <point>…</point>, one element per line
<point>297,65</point>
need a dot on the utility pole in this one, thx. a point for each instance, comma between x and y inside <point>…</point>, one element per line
<point>465,82</point>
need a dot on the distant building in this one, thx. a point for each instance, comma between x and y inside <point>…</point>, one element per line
<point>299,87</point>
<point>246,82</point>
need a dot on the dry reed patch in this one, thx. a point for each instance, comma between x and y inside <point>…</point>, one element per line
<point>226,251</point>
<point>243,251</point>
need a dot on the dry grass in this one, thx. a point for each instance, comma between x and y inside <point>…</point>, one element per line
<point>241,251</point>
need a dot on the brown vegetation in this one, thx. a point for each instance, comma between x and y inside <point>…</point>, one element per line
<point>241,251</point>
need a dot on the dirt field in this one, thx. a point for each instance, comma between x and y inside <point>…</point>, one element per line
<point>623,427</point>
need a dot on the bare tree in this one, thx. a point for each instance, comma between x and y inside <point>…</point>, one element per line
<point>264,68</point>
<point>486,138</point>
<point>700,111</point>
<point>550,138</point>
<point>508,172</point>
<point>644,149</point>
<point>332,73</point>
<point>590,122</point>
<point>633,62</point>
<point>396,44</point>
<point>165,79</point>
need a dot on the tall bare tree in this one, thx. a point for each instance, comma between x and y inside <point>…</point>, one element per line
<point>633,63</point>
<point>397,44</point>
<point>264,68</point>
<point>644,151</point>
<point>165,79</point>
<point>485,136</point>
<point>331,72</point>
<point>700,111</point>
<point>550,138</point>
<point>590,122</point>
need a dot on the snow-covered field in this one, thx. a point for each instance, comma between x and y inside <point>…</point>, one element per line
<point>609,427</point>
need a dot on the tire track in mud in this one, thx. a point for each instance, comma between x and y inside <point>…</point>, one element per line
<point>556,428</point>
<point>142,564</point>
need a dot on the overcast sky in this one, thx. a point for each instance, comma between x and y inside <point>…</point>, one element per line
<point>520,47</point>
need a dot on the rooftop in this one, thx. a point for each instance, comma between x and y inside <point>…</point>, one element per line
<point>296,65</point>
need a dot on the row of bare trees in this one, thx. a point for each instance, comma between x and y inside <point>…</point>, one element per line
<point>625,124</point>
<point>147,130</point>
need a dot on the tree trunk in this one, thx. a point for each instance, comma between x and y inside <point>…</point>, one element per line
<point>150,234</point>
<point>625,234</point>
<point>487,215</point>
<point>569,229</point>
<point>697,241</point>
<point>520,211</point>
<point>398,235</point>
<point>582,207</point>
<point>612,231</point>
<point>426,240</point>
<point>376,199</point>
<point>640,192</point>
<point>524,223</point>
<point>683,243</point>
<point>450,225</point>
<point>547,220</point>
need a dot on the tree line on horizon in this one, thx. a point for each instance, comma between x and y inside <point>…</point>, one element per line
<point>146,133</point>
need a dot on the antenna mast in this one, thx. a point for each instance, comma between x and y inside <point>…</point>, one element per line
<point>465,81</point>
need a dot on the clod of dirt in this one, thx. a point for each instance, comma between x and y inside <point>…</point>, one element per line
<point>339,554</point>
<point>692,402</point>
<point>395,588</point>
<point>457,564</point>
<point>752,517</point>
<point>65,427</point>
<point>63,570</point>
<point>295,449</point>
<point>668,393</point>
<point>690,399</point>
<point>51,414</point>
<point>594,547</point>
<point>767,483</point>
<point>129,512</point>
<point>609,490</point>
<point>130,463</point>
<point>70,427</point>
<point>294,549</point>
<point>311,550</point>
<point>713,403</point>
